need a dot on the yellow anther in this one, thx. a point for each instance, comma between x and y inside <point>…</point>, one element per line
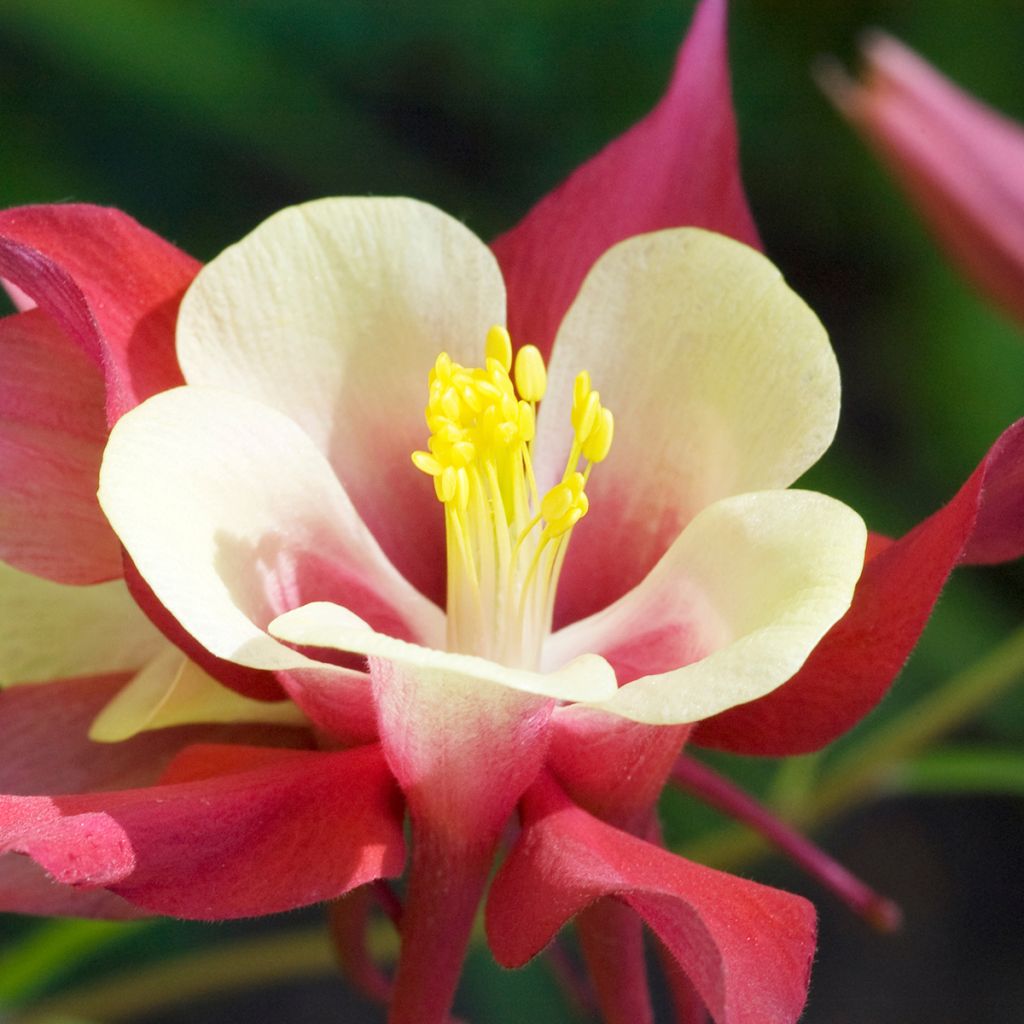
<point>426,462</point>
<point>509,407</point>
<point>584,416</point>
<point>558,505</point>
<point>508,431</point>
<point>487,390</point>
<point>449,433</point>
<point>446,484</point>
<point>531,376</point>
<point>499,346</point>
<point>472,397</point>
<point>580,388</point>
<point>599,440</point>
<point>527,422</point>
<point>464,452</point>
<point>443,366</point>
<point>450,404</point>
<point>556,502</point>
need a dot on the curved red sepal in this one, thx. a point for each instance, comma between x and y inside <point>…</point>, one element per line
<point>112,285</point>
<point>52,433</point>
<point>850,671</point>
<point>747,948</point>
<point>25,888</point>
<point>678,166</point>
<point>230,832</point>
<point>46,748</point>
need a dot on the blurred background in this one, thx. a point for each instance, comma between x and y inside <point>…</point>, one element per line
<point>200,119</point>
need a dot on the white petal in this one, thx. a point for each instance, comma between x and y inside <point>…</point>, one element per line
<point>757,579</point>
<point>232,516</point>
<point>320,624</point>
<point>334,312</point>
<point>52,631</point>
<point>721,381</point>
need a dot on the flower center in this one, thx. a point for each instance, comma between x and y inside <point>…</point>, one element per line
<point>505,542</point>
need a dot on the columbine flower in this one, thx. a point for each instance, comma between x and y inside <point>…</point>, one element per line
<point>308,350</point>
<point>960,161</point>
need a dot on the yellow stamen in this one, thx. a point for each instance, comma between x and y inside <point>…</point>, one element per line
<point>506,543</point>
<point>531,374</point>
<point>499,347</point>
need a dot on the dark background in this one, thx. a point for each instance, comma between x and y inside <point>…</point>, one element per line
<point>201,119</point>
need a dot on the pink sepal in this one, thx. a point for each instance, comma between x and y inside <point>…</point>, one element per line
<point>463,751</point>
<point>109,283</point>
<point>959,161</point>
<point>850,671</point>
<point>746,948</point>
<point>25,888</point>
<point>44,738</point>
<point>612,943</point>
<point>349,920</point>
<point>678,166</point>
<point>229,832</point>
<point>52,433</point>
<point>613,767</point>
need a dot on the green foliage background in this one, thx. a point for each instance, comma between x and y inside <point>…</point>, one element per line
<point>202,118</point>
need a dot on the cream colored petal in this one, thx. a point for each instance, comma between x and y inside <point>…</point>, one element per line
<point>232,516</point>
<point>760,578</point>
<point>172,690</point>
<point>587,677</point>
<point>52,631</point>
<point>721,380</point>
<point>334,312</point>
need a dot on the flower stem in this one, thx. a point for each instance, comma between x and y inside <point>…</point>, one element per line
<point>611,937</point>
<point>700,781</point>
<point>687,1005</point>
<point>239,966</point>
<point>446,881</point>
<point>51,949</point>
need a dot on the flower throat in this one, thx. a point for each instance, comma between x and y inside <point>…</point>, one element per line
<point>505,543</point>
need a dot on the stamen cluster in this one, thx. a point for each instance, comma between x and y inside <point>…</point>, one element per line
<point>505,543</point>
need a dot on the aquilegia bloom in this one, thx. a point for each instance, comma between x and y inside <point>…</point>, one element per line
<point>961,162</point>
<point>286,540</point>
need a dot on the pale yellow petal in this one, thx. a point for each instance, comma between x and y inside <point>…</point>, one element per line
<point>587,677</point>
<point>232,516</point>
<point>758,578</point>
<point>172,690</point>
<point>721,381</point>
<point>334,312</point>
<point>52,631</point>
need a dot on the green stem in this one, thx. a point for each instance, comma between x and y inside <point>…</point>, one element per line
<point>241,965</point>
<point>51,950</point>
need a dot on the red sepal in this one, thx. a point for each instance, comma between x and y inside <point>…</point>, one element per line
<point>850,671</point>
<point>46,749</point>
<point>109,283</point>
<point>746,948</point>
<point>230,832</point>
<point>52,433</point>
<point>678,166</point>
